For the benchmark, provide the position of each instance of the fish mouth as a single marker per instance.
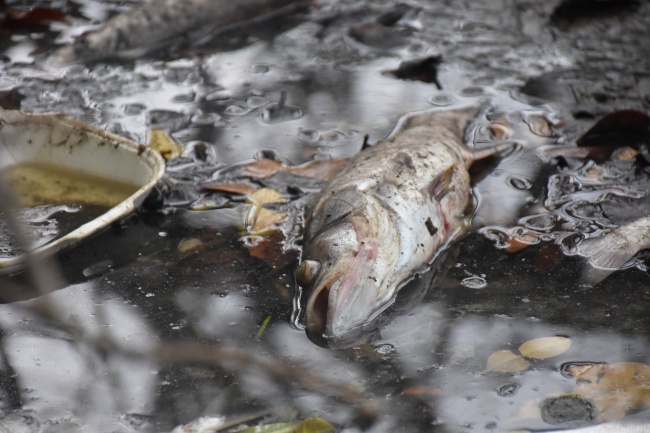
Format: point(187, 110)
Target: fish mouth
point(339, 312)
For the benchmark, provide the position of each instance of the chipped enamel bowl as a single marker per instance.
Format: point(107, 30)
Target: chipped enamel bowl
point(63, 144)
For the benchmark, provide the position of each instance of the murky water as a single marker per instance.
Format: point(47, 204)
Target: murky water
point(313, 87)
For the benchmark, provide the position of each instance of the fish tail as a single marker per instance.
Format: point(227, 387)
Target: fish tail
point(456, 120)
point(474, 154)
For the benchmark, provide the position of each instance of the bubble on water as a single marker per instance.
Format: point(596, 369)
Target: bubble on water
point(184, 97)
point(508, 390)
point(474, 282)
point(385, 349)
point(134, 109)
point(441, 100)
point(540, 223)
point(472, 91)
point(219, 95)
point(569, 243)
point(332, 138)
point(260, 68)
point(276, 112)
point(256, 101)
point(167, 119)
point(236, 110)
point(518, 182)
point(499, 236)
point(308, 135)
point(205, 119)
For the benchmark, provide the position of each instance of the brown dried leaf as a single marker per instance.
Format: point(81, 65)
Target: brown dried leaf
point(232, 188)
point(504, 361)
point(32, 19)
point(546, 347)
point(521, 241)
point(263, 168)
point(615, 389)
point(501, 130)
point(323, 169)
point(540, 127)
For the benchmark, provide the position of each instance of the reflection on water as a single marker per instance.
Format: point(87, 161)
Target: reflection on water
point(117, 349)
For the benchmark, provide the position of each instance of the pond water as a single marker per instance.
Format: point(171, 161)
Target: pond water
point(203, 313)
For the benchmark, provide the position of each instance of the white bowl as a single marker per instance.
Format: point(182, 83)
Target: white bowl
point(60, 141)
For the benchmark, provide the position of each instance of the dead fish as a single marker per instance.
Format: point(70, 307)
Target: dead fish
point(383, 219)
point(158, 23)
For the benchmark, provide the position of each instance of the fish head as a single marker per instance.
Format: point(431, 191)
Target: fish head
point(346, 274)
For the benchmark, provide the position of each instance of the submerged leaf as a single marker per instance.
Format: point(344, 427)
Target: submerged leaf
point(281, 427)
point(165, 144)
point(322, 169)
point(189, 244)
point(266, 222)
point(546, 347)
point(315, 425)
point(264, 196)
point(504, 361)
point(615, 389)
point(310, 425)
point(232, 188)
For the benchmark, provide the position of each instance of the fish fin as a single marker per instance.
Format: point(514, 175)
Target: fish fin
point(455, 119)
point(473, 154)
point(608, 252)
point(440, 185)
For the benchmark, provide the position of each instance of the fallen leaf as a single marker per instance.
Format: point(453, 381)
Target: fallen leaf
point(33, 19)
point(315, 425)
point(500, 129)
point(264, 196)
point(321, 169)
point(281, 427)
point(521, 241)
point(263, 168)
point(310, 425)
point(505, 361)
point(232, 188)
point(266, 222)
point(163, 143)
point(539, 126)
point(546, 347)
point(423, 391)
point(425, 70)
point(615, 389)
point(189, 244)
point(625, 154)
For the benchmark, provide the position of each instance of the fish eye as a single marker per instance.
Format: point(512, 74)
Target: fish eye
point(307, 271)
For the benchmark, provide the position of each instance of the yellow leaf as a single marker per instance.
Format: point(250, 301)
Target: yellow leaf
point(310, 425)
point(264, 196)
point(315, 425)
point(163, 143)
point(505, 361)
point(546, 347)
point(266, 222)
point(189, 244)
